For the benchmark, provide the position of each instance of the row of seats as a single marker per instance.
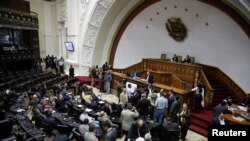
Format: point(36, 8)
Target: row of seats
point(31, 80)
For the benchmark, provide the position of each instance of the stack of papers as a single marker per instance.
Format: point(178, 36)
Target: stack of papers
point(242, 108)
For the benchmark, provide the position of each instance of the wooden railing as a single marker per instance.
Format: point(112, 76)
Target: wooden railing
point(162, 77)
point(186, 72)
point(174, 75)
point(209, 91)
point(238, 92)
point(176, 82)
point(137, 67)
point(235, 89)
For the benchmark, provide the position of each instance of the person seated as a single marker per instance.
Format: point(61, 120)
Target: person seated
point(135, 74)
point(50, 120)
point(86, 97)
point(104, 118)
point(219, 108)
point(83, 128)
point(34, 101)
point(175, 58)
point(187, 59)
point(220, 120)
point(137, 129)
point(246, 101)
point(60, 102)
point(169, 127)
point(40, 105)
point(107, 108)
point(84, 115)
point(247, 114)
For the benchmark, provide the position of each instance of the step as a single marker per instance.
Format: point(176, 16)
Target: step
point(199, 123)
point(217, 101)
point(199, 130)
point(205, 115)
point(222, 93)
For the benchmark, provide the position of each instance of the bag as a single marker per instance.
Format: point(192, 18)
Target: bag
point(202, 103)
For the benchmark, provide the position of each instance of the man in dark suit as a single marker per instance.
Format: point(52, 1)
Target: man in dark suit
point(219, 108)
point(71, 72)
point(170, 130)
point(175, 58)
point(246, 101)
point(171, 99)
point(184, 118)
point(220, 120)
point(111, 133)
point(150, 78)
point(50, 120)
point(137, 129)
point(143, 108)
point(175, 107)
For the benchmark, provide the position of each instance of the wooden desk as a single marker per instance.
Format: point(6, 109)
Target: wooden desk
point(189, 73)
point(232, 120)
point(185, 96)
point(186, 72)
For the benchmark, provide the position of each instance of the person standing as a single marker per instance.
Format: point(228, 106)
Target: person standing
point(171, 99)
point(108, 78)
point(127, 118)
point(123, 97)
point(150, 78)
point(71, 72)
point(61, 64)
point(184, 120)
point(175, 107)
point(111, 133)
point(120, 86)
point(199, 96)
point(160, 105)
point(143, 107)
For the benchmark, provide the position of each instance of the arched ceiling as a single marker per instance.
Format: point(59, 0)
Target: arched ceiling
point(238, 10)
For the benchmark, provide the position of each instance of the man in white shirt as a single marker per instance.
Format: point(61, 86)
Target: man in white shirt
point(130, 89)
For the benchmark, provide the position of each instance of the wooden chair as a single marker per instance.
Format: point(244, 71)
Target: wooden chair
point(163, 56)
point(179, 58)
point(192, 59)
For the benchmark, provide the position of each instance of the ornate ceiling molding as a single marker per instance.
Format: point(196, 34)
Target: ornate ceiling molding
point(96, 19)
point(83, 8)
point(241, 6)
point(62, 10)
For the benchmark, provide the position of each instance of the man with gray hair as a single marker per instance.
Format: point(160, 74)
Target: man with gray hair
point(160, 105)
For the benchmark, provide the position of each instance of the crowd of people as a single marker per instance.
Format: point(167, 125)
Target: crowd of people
point(102, 73)
point(51, 62)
